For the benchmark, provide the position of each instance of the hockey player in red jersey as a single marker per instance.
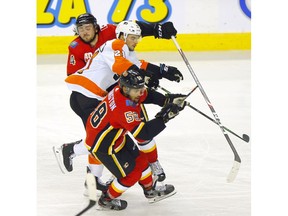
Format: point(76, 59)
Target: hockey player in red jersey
point(107, 137)
point(80, 51)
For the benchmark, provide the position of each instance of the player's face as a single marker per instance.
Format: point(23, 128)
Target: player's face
point(135, 94)
point(87, 32)
point(132, 41)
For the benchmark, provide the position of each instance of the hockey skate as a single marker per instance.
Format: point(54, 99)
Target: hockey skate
point(158, 172)
point(159, 193)
point(64, 156)
point(107, 203)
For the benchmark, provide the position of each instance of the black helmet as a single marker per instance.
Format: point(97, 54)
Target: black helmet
point(133, 80)
point(85, 19)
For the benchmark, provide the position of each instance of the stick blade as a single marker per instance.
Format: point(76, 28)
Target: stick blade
point(91, 184)
point(246, 138)
point(234, 171)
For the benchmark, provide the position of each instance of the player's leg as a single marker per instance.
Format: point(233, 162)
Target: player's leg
point(82, 106)
point(150, 149)
point(65, 153)
point(121, 165)
point(96, 168)
point(141, 173)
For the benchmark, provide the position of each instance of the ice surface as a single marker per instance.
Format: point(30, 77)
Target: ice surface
point(192, 150)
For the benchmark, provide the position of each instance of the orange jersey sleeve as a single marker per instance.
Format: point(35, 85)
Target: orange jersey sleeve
point(121, 63)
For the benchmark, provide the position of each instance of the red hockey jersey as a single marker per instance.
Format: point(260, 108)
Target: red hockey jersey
point(80, 52)
point(111, 120)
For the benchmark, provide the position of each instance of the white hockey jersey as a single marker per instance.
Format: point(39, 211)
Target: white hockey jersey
point(104, 69)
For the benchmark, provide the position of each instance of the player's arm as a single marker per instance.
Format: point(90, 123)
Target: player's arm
point(158, 30)
point(153, 73)
point(164, 71)
point(154, 97)
point(74, 62)
point(148, 130)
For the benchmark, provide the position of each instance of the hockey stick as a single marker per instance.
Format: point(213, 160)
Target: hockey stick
point(244, 137)
point(91, 184)
point(237, 161)
point(189, 92)
point(168, 92)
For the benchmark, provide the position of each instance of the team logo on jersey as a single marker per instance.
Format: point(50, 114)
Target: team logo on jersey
point(126, 165)
point(72, 60)
point(130, 103)
point(73, 44)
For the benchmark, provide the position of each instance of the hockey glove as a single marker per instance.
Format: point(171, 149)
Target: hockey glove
point(170, 73)
point(178, 99)
point(152, 82)
point(165, 30)
point(168, 112)
point(141, 71)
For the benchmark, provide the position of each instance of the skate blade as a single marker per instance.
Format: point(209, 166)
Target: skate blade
point(101, 208)
point(159, 198)
point(59, 159)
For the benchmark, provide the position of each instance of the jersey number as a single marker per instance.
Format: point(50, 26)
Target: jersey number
point(98, 115)
point(118, 53)
point(131, 117)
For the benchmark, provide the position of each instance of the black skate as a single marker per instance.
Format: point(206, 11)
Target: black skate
point(158, 172)
point(111, 204)
point(159, 193)
point(64, 156)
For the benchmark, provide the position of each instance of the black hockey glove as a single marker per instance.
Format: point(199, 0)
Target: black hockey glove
point(168, 112)
point(152, 82)
point(165, 30)
point(170, 73)
point(141, 71)
point(178, 99)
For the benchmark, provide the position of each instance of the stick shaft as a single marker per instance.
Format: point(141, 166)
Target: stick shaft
point(236, 156)
point(208, 117)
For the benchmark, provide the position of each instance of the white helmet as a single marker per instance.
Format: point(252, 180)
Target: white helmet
point(127, 27)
